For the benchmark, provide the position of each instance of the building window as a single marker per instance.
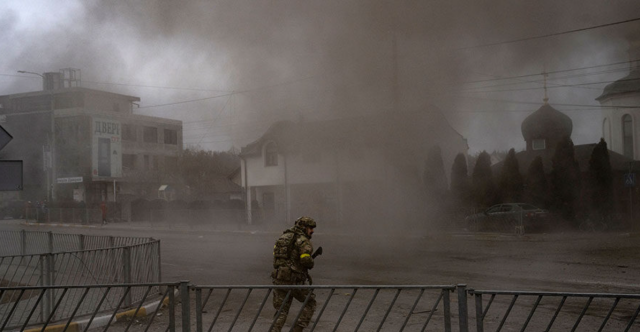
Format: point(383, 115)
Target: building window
point(147, 162)
point(539, 144)
point(128, 161)
point(150, 135)
point(271, 154)
point(627, 136)
point(171, 136)
point(129, 132)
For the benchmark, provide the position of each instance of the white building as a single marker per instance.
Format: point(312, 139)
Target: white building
point(345, 171)
point(621, 109)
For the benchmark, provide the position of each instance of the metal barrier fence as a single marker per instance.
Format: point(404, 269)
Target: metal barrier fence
point(78, 308)
point(365, 308)
point(75, 259)
point(542, 311)
point(28, 243)
point(352, 308)
point(79, 215)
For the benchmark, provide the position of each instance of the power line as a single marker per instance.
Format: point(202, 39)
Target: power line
point(155, 86)
point(234, 92)
point(555, 104)
point(557, 78)
point(188, 101)
point(550, 72)
point(550, 34)
point(577, 85)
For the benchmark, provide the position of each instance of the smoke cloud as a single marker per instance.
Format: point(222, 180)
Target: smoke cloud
point(272, 60)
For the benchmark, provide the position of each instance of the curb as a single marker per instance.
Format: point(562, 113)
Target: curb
point(81, 325)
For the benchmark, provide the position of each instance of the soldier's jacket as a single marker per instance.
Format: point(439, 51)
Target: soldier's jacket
point(292, 256)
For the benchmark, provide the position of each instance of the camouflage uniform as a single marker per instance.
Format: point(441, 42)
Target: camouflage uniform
point(291, 262)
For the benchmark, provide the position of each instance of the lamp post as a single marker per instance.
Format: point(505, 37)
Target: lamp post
point(52, 141)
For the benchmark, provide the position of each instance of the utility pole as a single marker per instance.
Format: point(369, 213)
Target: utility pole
point(52, 141)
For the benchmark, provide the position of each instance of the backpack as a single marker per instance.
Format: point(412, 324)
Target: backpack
point(283, 247)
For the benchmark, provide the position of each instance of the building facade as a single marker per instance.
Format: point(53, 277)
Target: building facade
point(620, 103)
point(80, 144)
point(345, 172)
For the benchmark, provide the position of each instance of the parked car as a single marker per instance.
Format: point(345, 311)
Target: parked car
point(505, 217)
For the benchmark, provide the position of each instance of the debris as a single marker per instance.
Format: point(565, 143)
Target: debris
point(422, 311)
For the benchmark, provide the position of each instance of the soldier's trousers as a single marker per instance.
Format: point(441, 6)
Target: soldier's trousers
point(279, 296)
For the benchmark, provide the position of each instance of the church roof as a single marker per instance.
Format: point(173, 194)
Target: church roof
point(629, 83)
point(546, 122)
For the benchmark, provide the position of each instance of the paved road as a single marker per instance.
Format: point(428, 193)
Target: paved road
point(599, 263)
point(606, 262)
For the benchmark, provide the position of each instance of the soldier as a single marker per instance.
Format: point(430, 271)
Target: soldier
point(292, 259)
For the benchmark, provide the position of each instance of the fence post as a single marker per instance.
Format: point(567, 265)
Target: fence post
point(184, 298)
point(50, 236)
point(446, 299)
point(81, 240)
point(462, 307)
point(126, 271)
point(159, 260)
point(172, 308)
point(479, 317)
point(46, 275)
point(198, 309)
point(23, 242)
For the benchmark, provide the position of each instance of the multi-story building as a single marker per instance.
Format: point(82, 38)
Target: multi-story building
point(87, 145)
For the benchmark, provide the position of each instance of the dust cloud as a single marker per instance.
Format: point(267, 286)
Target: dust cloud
point(231, 68)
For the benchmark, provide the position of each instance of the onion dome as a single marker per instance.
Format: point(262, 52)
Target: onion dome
point(546, 123)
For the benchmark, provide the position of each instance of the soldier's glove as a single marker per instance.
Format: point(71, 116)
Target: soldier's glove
point(317, 253)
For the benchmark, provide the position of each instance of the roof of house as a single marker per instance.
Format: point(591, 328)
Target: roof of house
point(66, 90)
point(627, 84)
point(399, 130)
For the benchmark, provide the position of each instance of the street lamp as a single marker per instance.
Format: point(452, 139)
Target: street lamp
point(52, 140)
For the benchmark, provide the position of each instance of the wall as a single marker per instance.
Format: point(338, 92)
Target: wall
point(614, 115)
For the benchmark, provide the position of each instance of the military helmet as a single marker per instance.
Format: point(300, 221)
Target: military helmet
point(306, 222)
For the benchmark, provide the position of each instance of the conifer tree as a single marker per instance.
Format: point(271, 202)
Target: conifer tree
point(483, 189)
point(434, 177)
point(565, 179)
point(536, 184)
point(511, 182)
point(600, 175)
point(460, 180)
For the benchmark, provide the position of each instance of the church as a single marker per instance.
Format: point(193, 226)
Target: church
point(620, 103)
point(544, 128)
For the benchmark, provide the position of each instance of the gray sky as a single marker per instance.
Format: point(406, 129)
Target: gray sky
point(229, 68)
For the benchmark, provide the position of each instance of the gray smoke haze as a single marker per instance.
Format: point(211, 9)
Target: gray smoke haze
point(319, 59)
